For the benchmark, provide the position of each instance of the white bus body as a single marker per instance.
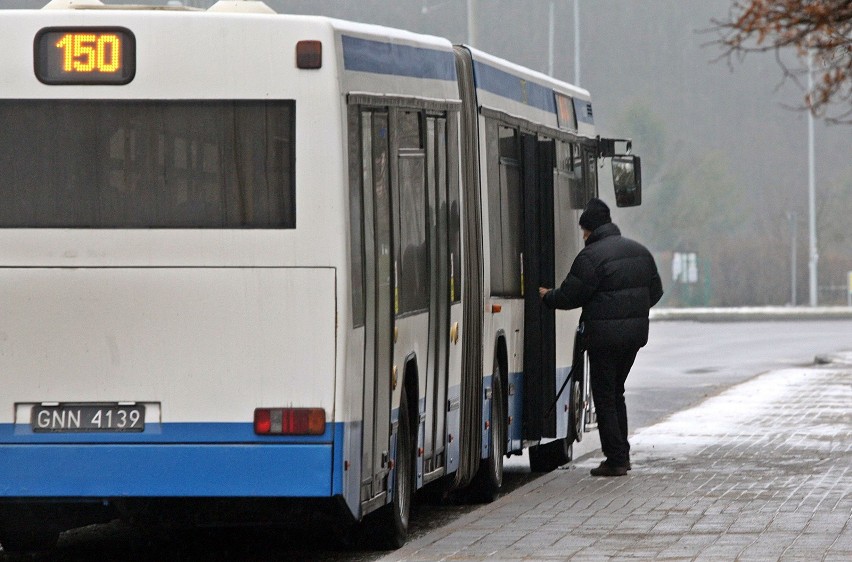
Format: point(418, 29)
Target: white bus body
point(232, 237)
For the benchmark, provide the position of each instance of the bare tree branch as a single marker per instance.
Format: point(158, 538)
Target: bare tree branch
point(822, 28)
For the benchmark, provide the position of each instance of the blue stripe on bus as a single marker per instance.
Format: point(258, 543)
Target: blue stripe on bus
point(378, 57)
point(172, 469)
point(513, 87)
point(207, 432)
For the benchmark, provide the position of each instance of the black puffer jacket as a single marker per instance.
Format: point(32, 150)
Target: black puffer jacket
point(616, 282)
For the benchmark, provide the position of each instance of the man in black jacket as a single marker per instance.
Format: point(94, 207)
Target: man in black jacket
point(616, 282)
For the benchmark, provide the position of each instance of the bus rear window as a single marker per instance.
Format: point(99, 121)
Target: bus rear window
point(147, 164)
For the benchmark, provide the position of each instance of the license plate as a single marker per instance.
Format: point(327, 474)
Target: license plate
point(87, 418)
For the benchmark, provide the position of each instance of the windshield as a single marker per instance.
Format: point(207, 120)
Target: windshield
point(147, 164)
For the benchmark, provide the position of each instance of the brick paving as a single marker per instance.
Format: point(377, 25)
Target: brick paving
point(760, 472)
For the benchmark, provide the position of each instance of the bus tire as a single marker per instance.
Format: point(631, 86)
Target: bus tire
point(488, 481)
point(391, 521)
point(575, 411)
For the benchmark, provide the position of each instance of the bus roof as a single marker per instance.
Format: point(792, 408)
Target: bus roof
point(528, 73)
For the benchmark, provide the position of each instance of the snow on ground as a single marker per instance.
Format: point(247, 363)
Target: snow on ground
point(761, 408)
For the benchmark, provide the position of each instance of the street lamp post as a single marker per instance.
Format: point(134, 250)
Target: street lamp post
point(793, 217)
point(814, 256)
point(471, 26)
point(576, 42)
point(551, 38)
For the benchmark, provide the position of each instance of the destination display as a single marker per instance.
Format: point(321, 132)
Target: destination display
point(85, 56)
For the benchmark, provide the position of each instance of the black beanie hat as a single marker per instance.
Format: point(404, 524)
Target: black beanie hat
point(595, 215)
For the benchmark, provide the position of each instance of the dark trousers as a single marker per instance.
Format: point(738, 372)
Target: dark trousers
point(609, 370)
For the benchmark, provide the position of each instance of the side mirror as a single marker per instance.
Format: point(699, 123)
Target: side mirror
point(627, 180)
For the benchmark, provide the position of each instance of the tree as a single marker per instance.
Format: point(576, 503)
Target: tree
point(823, 27)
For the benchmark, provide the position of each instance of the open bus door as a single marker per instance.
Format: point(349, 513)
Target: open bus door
point(539, 270)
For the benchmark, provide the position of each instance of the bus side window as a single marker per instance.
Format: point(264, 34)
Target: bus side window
point(413, 276)
point(505, 206)
point(564, 176)
point(453, 200)
point(591, 170)
point(567, 198)
point(579, 195)
point(360, 125)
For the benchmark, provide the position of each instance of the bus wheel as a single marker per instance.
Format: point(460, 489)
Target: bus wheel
point(488, 481)
point(391, 521)
point(575, 412)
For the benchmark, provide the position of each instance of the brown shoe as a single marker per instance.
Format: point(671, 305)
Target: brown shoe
point(606, 470)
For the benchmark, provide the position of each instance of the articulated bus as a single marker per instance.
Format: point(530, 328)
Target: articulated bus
point(267, 267)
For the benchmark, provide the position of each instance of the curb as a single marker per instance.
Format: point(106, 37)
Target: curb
point(750, 314)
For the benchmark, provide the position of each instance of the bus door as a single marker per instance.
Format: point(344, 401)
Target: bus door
point(437, 368)
point(539, 320)
point(379, 315)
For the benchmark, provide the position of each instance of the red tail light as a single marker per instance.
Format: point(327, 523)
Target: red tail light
point(262, 424)
point(289, 421)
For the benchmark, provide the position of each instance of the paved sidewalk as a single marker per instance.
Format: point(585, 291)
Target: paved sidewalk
point(761, 472)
